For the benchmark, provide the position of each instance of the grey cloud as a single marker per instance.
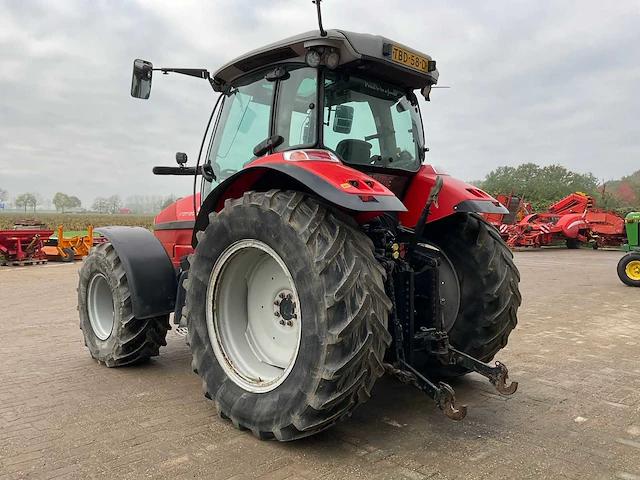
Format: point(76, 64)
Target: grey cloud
point(549, 82)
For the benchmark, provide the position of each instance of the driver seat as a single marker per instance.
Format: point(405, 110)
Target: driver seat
point(354, 151)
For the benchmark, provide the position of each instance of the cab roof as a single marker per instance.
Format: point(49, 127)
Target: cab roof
point(369, 54)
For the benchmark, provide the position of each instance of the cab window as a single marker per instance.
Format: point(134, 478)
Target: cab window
point(243, 124)
point(297, 107)
point(371, 123)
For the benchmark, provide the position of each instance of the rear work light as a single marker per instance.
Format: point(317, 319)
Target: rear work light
point(303, 155)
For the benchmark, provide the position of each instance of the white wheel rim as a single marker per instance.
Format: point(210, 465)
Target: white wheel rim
point(100, 306)
point(253, 316)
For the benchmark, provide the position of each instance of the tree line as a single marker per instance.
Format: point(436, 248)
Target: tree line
point(543, 185)
point(65, 203)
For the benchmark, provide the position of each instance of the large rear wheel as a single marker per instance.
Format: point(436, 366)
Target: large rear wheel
point(481, 310)
point(286, 314)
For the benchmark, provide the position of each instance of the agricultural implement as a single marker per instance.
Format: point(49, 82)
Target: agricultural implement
point(574, 219)
point(517, 207)
point(629, 265)
point(67, 249)
point(321, 251)
point(23, 246)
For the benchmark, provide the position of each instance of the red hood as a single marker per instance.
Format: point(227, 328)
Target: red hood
point(181, 209)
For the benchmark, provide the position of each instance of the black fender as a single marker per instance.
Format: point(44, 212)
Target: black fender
point(150, 274)
point(290, 176)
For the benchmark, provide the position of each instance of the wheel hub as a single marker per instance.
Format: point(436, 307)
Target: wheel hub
point(100, 306)
point(633, 270)
point(285, 307)
point(253, 316)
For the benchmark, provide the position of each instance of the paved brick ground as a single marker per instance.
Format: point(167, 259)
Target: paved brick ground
point(576, 354)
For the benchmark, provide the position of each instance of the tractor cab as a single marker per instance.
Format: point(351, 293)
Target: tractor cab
point(319, 96)
point(349, 93)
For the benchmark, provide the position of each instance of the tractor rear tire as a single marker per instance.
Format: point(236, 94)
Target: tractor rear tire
point(629, 269)
point(489, 290)
point(324, 268)
point(112, 334)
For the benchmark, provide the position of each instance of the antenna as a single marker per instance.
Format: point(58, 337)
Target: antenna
point(323, 33)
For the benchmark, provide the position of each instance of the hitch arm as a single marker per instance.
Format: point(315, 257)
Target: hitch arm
point(497, 375)
point(442, 394)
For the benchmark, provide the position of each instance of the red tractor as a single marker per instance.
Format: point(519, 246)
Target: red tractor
point(321, 250)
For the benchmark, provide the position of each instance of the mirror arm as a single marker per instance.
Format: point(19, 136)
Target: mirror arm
point(162, 170)
point(192, 72)
point(198, 73)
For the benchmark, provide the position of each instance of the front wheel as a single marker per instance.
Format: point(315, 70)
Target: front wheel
point(286, 314)
point(481, 310)
point(629, 269)
point(112, 334)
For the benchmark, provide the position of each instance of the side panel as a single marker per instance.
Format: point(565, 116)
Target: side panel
point(150, 273)
point(173, 226)
point(455, 196)
point(342, 186)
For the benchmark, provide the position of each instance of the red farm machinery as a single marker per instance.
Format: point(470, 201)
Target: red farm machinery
point(573, 219)
point(23, 244)
point(321, 250)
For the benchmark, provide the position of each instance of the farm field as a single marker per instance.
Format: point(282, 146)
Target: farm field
point(76, 223)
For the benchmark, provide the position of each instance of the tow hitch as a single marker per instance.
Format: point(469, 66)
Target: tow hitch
point(433, 339)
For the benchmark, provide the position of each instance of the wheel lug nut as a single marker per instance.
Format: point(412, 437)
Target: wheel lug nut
point(277, 314)
point(282, 295)
point(281, 322)
point(290, 323)
point(276, 303)
point(295, 315)
point(289, 296)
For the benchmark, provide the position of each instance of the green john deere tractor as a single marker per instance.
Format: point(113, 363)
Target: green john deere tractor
point(629, 265)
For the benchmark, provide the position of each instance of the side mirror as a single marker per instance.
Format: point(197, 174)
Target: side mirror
point(141, 79)
point(343, 119)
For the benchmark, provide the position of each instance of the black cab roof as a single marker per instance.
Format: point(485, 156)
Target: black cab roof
point(372, 55)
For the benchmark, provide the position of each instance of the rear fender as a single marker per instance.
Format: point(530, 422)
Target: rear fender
point(332, 182)
point(150, 274)
point(455, 196)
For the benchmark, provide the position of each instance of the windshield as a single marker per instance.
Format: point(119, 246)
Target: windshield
point(370, 123)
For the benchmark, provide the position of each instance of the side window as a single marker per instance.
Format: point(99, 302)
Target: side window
point(244, 123)
point(404, 127)
point(296, 113)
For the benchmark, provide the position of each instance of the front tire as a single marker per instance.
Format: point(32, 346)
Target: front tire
point(112, 334)
point(338, 311)
point(488, 288)
point(629, 269)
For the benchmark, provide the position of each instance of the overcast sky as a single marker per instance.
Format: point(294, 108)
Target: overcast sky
point(540, 81)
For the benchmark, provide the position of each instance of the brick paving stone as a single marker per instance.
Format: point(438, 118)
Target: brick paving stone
point(576, 354)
